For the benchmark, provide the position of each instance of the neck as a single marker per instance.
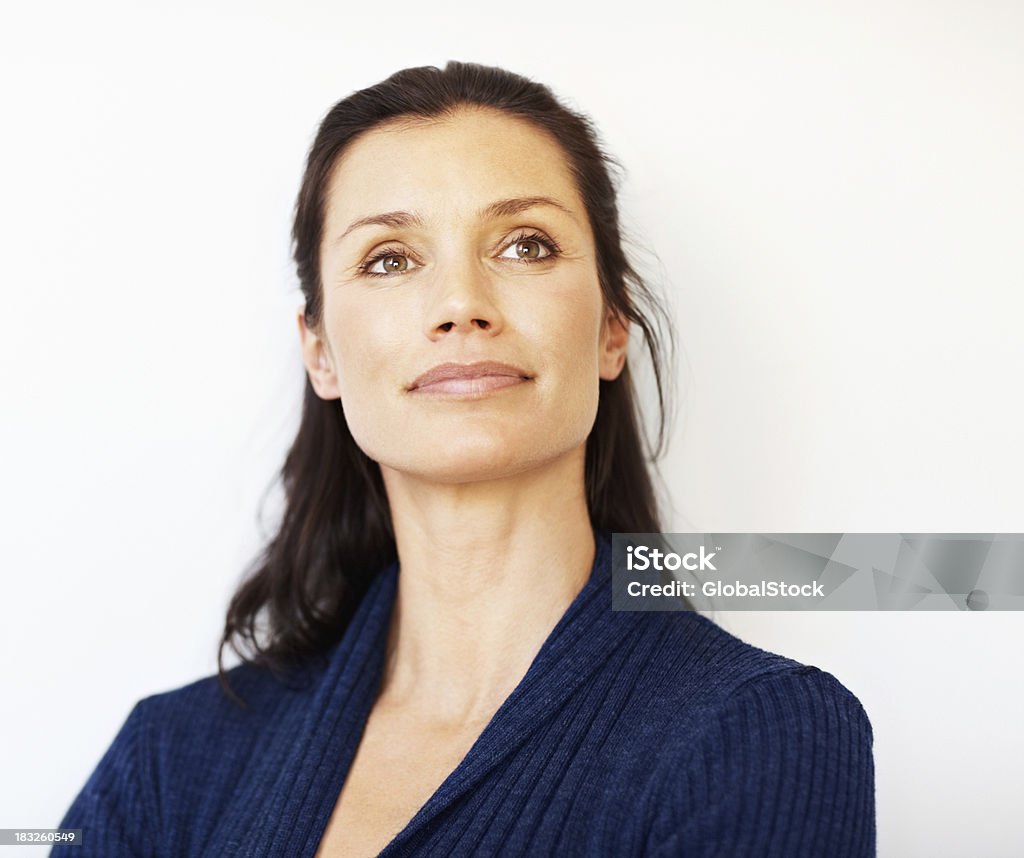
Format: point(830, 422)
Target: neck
point(486, 571)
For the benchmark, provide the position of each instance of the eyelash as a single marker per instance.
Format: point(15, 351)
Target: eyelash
point(549, 244)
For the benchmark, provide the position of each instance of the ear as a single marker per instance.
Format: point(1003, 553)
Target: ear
point(614, 341)
point(318, 360)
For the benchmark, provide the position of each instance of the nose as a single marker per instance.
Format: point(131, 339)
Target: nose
point(464, 302)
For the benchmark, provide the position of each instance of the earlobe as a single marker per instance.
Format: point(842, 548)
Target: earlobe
point(318, 365)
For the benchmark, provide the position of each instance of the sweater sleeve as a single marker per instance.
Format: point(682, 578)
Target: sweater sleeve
point(112, 809)
point(786, 768)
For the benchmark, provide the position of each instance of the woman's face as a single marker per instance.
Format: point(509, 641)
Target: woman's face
point(461, 241)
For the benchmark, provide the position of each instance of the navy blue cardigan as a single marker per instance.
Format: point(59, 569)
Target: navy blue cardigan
point(653, 734)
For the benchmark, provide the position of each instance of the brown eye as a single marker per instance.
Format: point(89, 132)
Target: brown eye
point(528, 249)
point(386, 264)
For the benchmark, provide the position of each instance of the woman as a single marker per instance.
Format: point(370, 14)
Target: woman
point(432, 665)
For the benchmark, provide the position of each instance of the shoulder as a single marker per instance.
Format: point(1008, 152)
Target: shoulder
point(184, 728)
point(260, 691)
point(196, 738)
point(760, 753)
point(182, 754)
point(689, 678)
point(687, 654)
point(176, 756)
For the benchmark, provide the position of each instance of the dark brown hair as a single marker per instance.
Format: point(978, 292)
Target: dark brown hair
point(336, 531)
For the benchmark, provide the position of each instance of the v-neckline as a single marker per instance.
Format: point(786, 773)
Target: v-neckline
point(315, 762)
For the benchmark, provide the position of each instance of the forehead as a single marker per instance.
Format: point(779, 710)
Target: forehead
point(450, 165)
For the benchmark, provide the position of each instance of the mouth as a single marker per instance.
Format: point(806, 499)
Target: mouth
point(469, 380)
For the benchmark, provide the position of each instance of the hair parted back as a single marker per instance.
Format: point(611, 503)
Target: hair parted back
point(336, 533)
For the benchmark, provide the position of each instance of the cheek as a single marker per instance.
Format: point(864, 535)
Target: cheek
point(569, 344)
point(572, 339)
point(365, 344)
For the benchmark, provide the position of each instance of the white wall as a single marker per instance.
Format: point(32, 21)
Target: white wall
point(834, 196)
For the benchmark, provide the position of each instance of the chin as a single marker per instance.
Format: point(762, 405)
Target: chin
point(462, 463)
point(451, 469)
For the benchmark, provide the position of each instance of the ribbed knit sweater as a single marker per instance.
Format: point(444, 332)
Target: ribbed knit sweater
point(631, 734)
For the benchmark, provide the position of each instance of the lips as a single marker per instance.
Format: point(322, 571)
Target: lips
point(462, 377)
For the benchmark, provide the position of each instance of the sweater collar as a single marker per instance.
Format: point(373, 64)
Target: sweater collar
point(315, 750)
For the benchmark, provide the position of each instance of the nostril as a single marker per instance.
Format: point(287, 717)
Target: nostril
point(480, 323)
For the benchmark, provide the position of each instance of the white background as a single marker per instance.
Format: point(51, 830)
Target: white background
point(829, 193)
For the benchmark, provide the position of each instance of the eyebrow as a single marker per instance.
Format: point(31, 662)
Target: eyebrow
point(500, 208)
